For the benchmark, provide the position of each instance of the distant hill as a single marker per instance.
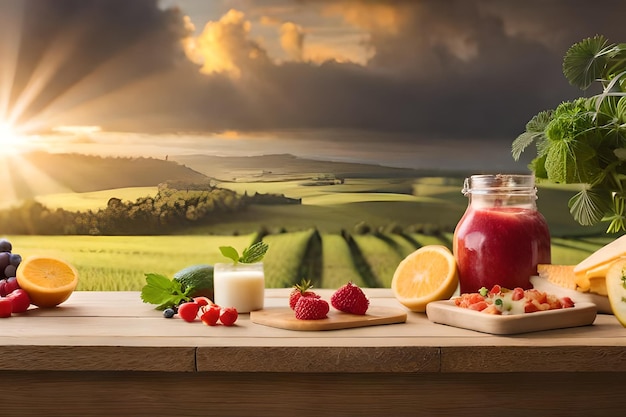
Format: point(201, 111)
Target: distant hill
point(279, 166)
point(40, 173)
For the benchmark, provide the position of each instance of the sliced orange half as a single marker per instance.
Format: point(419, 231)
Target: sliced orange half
point(48, 281)
point(428, 274)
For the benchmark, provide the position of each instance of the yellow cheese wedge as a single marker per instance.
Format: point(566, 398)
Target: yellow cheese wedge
point(582, 282)
point(596, 277)
point(597, 285)
point(600, 270)
point(606, 253)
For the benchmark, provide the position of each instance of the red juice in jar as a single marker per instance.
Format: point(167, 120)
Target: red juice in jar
point(501, 237)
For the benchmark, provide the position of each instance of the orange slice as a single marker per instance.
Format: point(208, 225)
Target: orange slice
point(48, 281)
point(428, 274)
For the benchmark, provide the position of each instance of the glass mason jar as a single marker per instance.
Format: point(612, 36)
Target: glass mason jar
point(502, 236)
point(241, 286)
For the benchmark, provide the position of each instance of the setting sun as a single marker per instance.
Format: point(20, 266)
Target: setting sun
point(8, 137)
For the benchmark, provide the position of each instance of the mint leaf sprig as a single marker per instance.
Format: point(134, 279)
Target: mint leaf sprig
point(252, 254)
point(163, 292)
point(583, 141)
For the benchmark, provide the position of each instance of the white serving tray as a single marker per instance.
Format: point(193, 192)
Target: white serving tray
point(601, 301)
point(446, 312)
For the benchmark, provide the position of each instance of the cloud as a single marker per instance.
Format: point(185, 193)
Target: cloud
point(292, 40)
point(423, 69)
point(63, 42)
point(225, 46)
point(375, 16)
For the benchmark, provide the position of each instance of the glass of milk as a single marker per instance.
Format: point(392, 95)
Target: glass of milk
point(239, 285)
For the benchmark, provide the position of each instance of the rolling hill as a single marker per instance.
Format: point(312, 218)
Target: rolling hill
point(40, 173)
point(283, 167)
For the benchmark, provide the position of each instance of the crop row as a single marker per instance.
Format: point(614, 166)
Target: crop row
point(370, 259)
point(119, 263)
point(331, 260)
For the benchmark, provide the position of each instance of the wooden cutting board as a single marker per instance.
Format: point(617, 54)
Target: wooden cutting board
point(284, 318)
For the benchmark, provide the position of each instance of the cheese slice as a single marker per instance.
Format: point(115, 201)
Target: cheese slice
point(597, 285)
point(596, 277)
point(606, 253)
point(582, 282)
point(593, 280)
point(600, 270)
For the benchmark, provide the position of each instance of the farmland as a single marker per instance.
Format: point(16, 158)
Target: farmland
point(346, 227)
point(119, 263)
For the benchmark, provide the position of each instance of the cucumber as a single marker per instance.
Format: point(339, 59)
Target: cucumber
point(197, 277)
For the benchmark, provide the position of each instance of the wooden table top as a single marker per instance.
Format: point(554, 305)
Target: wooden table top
point(115, 331)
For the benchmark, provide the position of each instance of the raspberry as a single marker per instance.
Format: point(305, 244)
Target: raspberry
point(311, 308)
point(350, 299)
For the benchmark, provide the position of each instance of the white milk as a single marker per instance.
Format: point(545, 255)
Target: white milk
point(241, 286)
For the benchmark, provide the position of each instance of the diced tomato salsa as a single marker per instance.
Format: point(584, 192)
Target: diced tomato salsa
point(504, 301)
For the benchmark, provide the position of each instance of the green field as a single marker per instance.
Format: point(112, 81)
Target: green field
point(382, 204)
point(120, 263)
point(378, 202)
point(93, 200)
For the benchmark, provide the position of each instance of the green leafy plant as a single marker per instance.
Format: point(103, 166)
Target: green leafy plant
point(164, 292)
point(250, 255)
point(583, 141)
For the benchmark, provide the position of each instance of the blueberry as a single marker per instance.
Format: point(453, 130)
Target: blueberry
point(168, 313)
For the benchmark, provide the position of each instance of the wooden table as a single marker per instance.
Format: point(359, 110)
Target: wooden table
point(108, 354)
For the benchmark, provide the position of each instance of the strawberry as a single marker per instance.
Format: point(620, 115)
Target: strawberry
point(211, 315)
point(301, 290)
point(311, 308)
point(188, 311)
point(350, 299)
point(228, 316)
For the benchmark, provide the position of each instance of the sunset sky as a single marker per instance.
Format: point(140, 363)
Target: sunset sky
point(421, 83)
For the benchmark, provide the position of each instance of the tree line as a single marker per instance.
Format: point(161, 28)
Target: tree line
point(175, 206)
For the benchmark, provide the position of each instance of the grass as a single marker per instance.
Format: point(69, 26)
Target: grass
point(338, 265)
point(94, 200)
point(381, 257)
point(119, 263)
point(282, 262)
point(375, 201)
